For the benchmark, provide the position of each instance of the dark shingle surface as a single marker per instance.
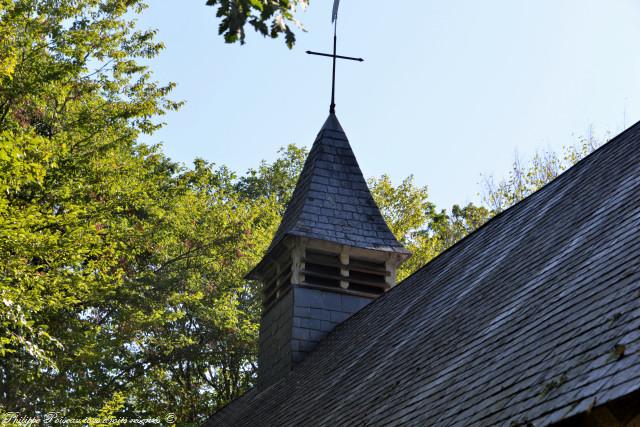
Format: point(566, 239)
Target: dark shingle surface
point(332, 201)
point(519, 322)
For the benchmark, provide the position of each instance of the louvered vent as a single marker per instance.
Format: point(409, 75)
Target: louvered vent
point(278, 285)
point(357, 276)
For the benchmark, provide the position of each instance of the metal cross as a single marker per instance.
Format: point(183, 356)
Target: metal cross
point(332, 109)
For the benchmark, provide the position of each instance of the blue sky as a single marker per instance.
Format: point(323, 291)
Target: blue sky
point(449, 90)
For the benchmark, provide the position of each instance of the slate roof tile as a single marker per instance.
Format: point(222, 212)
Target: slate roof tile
point(518, 321)
point(331, 187)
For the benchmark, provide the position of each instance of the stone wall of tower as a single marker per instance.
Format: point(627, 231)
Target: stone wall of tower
point(316, 313)
point(294, 325)
point(274, 356)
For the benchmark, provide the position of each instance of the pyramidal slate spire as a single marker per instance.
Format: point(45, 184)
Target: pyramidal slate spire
point(332, 254)
point(332, 202)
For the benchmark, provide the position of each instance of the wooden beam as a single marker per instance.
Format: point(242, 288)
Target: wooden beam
point(353, 264)
point(381, 285)
point(297, 262)
point(340, 290)
point(344, 268)
point(335, 248)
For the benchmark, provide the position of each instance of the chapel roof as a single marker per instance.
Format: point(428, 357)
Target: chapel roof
point(534, 317)
point(332, 201)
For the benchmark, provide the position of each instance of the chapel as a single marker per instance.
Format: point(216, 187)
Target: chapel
point(531, 320)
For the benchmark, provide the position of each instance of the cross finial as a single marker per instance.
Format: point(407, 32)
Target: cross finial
point(334, 20)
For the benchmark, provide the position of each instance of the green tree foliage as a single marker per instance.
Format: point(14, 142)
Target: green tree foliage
point(120, 272)
point(64, 130)
point(417, 224)
point(526, 178)
point(275, 180)
point(267, 17)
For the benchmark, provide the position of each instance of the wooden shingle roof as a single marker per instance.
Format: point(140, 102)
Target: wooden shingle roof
point(533, 318)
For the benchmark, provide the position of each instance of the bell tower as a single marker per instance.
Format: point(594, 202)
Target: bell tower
point(332, 254)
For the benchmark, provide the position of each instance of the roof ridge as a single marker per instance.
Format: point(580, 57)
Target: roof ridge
point(580, 163)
